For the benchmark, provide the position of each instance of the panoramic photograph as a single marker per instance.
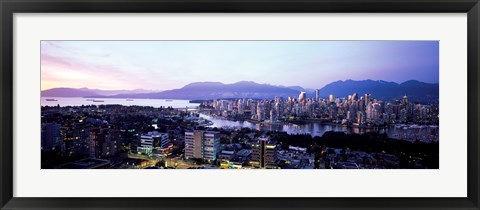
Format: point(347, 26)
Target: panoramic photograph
point(239, 105)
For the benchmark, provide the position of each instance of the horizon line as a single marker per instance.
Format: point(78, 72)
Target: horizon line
point(153, 90)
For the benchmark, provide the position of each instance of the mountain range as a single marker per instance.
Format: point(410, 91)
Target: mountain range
point(415, 90)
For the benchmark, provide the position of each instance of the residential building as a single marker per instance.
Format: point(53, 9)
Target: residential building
point(51, 138)
point(264, 153)
point(153, 140)
point(202, 144)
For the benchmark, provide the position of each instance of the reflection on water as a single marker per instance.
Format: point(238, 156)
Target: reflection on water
point(422, 133)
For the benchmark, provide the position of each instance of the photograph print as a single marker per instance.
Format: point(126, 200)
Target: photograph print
point(239, 104)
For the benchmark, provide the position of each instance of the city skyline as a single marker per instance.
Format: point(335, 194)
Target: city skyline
point(305, 133)
point(163, 65)
point(238, 105)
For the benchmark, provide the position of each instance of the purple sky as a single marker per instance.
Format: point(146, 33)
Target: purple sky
point(162, 65)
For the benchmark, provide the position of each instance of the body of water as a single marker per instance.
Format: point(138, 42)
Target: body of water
point(404, 132)
point(410, 133)
point(76, 101)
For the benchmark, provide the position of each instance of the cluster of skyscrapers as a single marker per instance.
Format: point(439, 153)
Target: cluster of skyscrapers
point(115, 136)
point(352, 110)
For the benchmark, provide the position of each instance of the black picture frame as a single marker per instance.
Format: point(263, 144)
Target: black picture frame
point(10, 7)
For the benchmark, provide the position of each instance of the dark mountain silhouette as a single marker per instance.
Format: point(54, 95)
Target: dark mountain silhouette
point(117, 92)
point(297, 88)
point(215, 90)
point(415, 90)
point(68, 92)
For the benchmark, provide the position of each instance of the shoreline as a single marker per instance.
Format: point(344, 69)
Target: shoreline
point(322, 122)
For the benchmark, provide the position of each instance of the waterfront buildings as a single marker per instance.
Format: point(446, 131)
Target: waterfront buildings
point(331, 98)
point(367, 98)
point(142, 137)
point(302, 96)
point(364, 111)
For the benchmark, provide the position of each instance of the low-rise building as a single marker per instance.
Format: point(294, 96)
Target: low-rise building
point(226, 155)
point(153, 141)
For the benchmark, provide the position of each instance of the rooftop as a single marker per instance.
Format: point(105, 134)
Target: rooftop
point(88, 163)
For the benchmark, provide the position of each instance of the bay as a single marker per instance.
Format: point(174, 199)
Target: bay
point(77, 101)
point(403, 132)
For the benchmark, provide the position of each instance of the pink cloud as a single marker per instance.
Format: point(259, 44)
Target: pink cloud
point(71, 72)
